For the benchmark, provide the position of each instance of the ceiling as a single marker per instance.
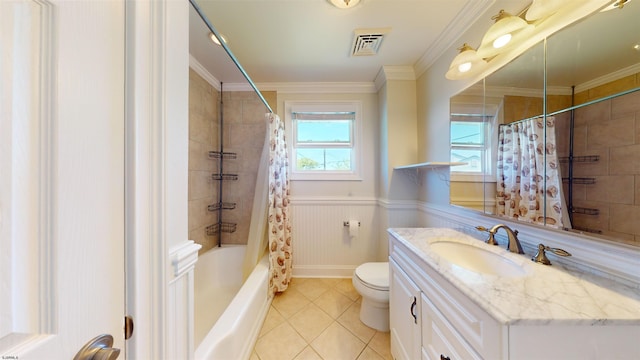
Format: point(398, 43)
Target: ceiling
point(303, 41)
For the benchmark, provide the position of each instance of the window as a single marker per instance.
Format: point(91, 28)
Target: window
point(471, 139)
point(468, 139)
point(324, 142)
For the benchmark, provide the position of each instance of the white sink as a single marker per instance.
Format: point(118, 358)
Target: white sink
point(477, 259)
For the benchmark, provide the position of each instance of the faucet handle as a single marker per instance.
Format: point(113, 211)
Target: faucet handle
point(491, 240)
point(541, 256)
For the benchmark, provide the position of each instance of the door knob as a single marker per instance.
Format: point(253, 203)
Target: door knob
point(98, 348)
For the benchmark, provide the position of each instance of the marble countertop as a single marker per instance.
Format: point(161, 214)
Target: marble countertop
point(546, 294)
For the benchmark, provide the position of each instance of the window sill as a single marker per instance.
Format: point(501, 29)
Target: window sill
point(324, 177)
point(428, 165)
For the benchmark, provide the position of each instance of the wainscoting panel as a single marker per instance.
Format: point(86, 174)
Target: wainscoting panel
point(394, 214)
point(180, 301)
point(322, 246)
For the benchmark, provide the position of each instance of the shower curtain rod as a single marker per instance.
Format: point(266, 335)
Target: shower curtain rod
point(233, 58)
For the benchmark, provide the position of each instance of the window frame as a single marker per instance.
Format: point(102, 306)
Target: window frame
point(490, 115)
point(356, 144)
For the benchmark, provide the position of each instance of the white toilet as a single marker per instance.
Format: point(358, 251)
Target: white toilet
point(371, 280)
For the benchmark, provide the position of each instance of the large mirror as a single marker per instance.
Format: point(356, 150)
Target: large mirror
point(591, 131)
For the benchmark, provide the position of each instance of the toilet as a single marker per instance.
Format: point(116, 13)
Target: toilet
point(371, 280)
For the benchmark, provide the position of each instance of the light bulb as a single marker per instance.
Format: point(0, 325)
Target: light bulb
point(464, 67)
point(501, 41)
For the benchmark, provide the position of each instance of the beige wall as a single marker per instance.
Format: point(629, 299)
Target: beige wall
point(611, 130)
point(401, 137)
point(517, 108)
point(203, 137)
point(614, 87)
point(245, 129)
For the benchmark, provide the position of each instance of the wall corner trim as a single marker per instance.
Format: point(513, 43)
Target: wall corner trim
point(184, 257)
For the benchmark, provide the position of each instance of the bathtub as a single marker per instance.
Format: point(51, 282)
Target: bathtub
point(228, 313)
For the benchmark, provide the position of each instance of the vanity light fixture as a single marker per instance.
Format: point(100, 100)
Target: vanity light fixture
point(540, 9)
point(506, 28)
point(467, 62)
point(215, 39)
point(344, 4)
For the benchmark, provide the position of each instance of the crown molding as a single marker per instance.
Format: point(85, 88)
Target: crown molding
point(394, 72)
point(468, 15)
point(203, 72)
point(237, 87)
point(319, 87)
point(208, 77)
point(508, 90)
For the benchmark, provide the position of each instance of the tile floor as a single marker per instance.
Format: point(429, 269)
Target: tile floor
point(319, 319)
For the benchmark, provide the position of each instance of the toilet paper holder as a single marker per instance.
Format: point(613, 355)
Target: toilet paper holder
point(346, 223)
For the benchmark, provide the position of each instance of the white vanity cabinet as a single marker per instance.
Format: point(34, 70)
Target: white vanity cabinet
point(440, 311)
point(404, 313)
point(445, 322)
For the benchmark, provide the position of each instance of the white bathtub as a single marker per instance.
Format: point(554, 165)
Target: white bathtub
point(228, 314)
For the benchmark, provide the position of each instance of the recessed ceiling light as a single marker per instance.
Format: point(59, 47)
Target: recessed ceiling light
point(344, 4)
point(213, 38)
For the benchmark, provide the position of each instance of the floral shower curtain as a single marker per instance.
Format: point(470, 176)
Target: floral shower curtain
point(523, 192)
point(279, 224)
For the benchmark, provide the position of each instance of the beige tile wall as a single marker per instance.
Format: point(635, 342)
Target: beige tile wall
point(611, 130)
point(203, 137)
point(244, 133)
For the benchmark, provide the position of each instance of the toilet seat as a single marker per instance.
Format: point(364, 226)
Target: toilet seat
point(374, 275)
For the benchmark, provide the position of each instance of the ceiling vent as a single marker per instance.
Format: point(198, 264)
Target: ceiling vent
point(367, 41)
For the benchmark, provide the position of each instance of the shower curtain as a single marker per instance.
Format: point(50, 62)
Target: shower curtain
point(279, 224)
point(523, 192)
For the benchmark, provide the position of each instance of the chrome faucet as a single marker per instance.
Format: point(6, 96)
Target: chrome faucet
point(513, 245)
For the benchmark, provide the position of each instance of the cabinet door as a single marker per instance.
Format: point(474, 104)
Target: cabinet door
point(404, 312)
point(440, 340)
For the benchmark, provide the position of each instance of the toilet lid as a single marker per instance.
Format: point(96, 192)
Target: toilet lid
point(374, 274)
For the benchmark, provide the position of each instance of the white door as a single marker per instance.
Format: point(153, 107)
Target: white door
point(61, 176)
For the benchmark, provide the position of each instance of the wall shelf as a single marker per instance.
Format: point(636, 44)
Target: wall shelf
point(221, 205)
point(576, 180)
point(222, 155)
point(225, 227)
point(580, 159)
point(428, 165)
point(224, 177)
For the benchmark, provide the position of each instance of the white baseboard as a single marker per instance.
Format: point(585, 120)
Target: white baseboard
point(323, 271)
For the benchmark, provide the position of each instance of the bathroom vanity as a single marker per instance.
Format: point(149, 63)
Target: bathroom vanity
point(455, 297)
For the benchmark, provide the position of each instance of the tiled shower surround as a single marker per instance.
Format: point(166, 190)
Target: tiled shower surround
point(610, 130)
point(244, 133)
point(204, 136)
